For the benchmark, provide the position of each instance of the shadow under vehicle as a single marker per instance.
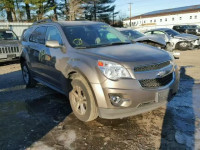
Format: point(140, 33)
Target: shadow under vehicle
point(9, 46)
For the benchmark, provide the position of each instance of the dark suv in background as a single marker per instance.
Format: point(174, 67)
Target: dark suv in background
point(101, 71)
point(189, 29)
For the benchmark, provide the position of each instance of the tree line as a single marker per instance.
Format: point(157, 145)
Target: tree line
point(33, 10)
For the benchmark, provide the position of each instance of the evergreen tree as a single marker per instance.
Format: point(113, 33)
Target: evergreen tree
point(9, 7)
point(100, 10)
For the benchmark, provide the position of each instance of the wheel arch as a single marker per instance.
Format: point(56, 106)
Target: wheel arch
point(78, 71)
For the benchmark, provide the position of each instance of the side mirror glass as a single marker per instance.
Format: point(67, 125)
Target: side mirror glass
point(53, 44)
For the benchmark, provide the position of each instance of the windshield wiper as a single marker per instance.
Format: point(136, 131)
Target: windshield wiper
point(103, 45)
point(80, 47)
point(120, 43)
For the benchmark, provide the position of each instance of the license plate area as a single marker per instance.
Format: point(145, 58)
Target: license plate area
point(162, 95)
point(10, 56)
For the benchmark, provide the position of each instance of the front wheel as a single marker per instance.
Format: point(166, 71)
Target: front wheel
point(27, 76)
point(82, 99)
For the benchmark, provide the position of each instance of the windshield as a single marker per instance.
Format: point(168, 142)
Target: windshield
point(172, 32)
point(7, 35)
point(98, 35)
point(132, 35)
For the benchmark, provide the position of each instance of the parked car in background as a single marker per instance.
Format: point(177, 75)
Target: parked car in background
point(176, 40)
point(137, 36)
point(152, 40)
point(9, 46)
point(189, 29)
point(101, 71)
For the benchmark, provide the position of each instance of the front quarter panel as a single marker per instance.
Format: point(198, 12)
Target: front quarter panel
point(83, 64)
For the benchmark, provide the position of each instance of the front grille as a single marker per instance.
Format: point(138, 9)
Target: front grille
point(7, 50)
point(158, 82)
point(151, 67)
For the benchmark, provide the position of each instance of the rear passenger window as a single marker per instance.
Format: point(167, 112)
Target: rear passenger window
point(38, 36)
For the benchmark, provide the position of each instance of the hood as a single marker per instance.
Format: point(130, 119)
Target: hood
point(188, 37)
point(9, 43)
point(131, 55)
point(152, 38)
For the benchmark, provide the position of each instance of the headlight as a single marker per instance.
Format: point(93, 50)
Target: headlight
point(113, 70)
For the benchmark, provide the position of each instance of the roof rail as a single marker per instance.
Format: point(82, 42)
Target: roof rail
point(42, 21)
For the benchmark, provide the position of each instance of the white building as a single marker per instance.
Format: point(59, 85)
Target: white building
point(166, 18)
point(17, 27)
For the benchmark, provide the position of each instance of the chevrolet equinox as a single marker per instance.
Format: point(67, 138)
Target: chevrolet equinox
point(101, 71)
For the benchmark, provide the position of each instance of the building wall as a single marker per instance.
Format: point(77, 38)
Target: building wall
point(16, 27)
point(164, 21)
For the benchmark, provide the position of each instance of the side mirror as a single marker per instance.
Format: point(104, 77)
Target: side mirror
point(53, 44)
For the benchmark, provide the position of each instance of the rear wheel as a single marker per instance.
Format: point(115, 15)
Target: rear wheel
point(27, 76)
point(82, 99)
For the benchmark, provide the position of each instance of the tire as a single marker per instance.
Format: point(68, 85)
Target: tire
point(27, 76)
point(82, 99)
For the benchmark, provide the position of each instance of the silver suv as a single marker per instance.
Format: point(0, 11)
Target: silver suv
point(101, 71)
point(9, 46)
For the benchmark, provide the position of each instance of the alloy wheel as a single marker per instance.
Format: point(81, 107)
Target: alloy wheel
point(79, 101)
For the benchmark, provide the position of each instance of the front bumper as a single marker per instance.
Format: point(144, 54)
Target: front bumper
point(9, 57)
point(140, 99)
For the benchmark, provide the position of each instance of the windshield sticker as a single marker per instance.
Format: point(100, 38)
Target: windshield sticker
point(78, 42)
point(98, 40)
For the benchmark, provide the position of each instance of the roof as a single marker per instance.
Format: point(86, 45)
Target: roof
point(122, 29)
point(178, 10)
point(5, 30)
point(74, 23)
point(67, 23)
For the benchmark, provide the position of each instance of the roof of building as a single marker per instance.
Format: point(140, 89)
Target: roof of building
point(164, 12)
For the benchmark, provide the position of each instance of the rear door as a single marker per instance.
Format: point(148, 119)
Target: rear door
point(37, 50)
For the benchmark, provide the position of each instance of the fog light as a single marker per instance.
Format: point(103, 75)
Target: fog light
point(115, 99)
point(118, 100)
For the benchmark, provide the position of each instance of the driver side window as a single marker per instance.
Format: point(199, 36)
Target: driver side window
point(53, 34)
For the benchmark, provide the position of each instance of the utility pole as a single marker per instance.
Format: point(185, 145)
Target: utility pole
point(130, 12)
point(113, 17)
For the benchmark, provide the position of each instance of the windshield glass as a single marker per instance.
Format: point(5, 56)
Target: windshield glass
point(132, 35)
point(88, 36)
point(7, 35)
point(172, 32)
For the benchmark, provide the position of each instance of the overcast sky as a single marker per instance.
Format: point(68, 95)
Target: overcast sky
point(143, 6)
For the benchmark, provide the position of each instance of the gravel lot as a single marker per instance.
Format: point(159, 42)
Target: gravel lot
point(40, 118)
